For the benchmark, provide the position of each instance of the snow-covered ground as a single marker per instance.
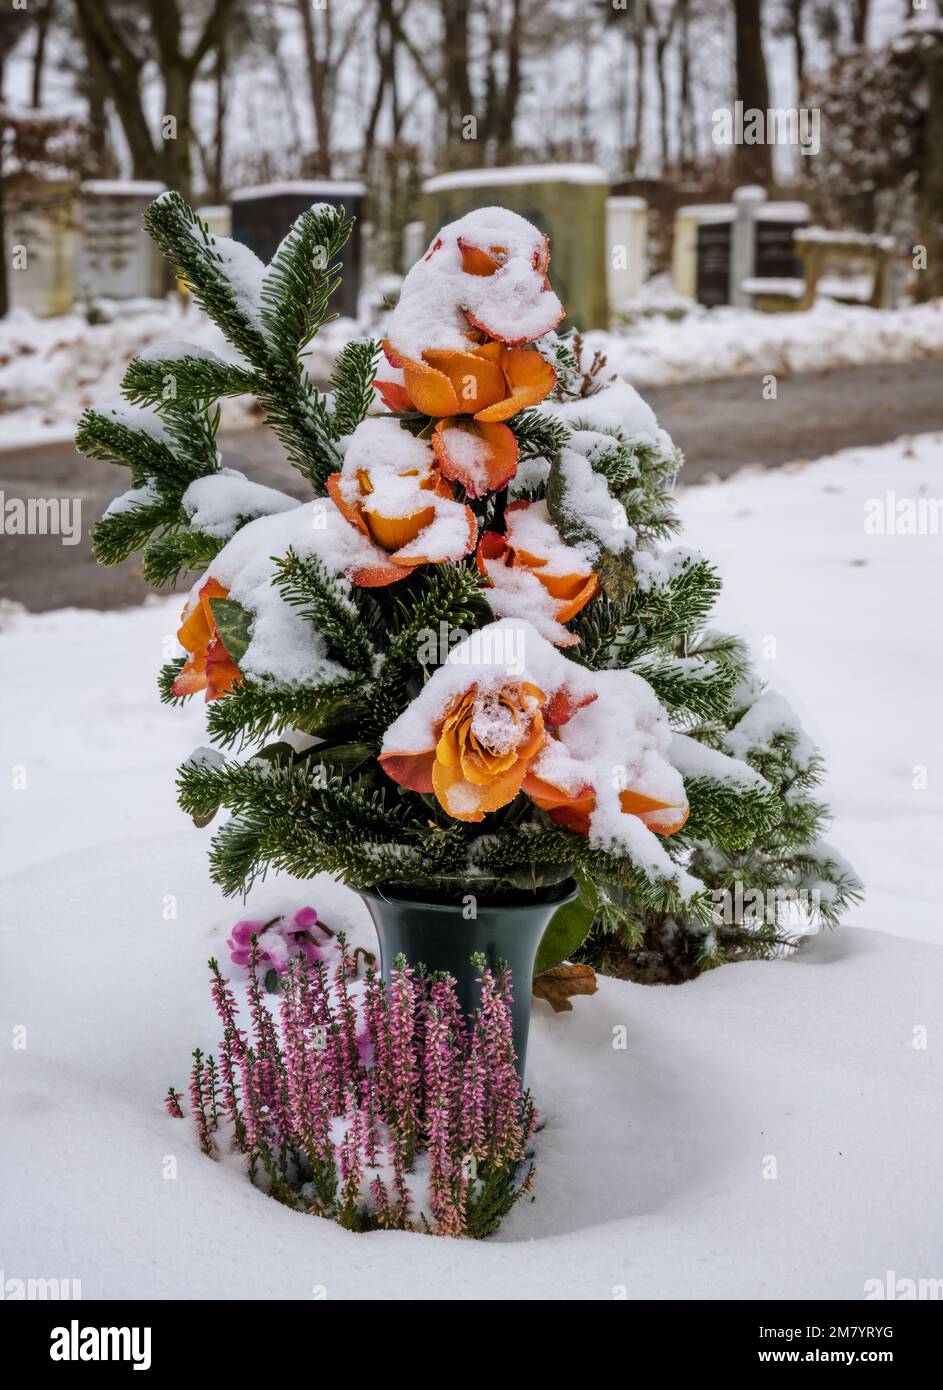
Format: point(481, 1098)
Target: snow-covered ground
point(51, 369)
point(769, 1130)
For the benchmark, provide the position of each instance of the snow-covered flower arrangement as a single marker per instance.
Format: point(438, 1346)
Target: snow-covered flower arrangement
point(474, 661)
point(380, 1107)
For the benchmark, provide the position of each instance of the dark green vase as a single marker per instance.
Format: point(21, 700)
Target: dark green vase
point(438, 936)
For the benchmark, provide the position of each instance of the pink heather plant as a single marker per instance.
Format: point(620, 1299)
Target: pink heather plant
point(377, 1106)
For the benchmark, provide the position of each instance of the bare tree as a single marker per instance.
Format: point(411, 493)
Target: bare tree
point(119, 42)
point(752, 163)
point(326, 49)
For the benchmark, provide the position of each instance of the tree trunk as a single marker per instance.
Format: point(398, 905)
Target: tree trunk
point(798, 43)
point(317, 82)
point(860, 10)
point(636, 151)
point(43, 19)
point(116, 73)
point(752, 163)
point(218, 181)
point(458, 99)
point(930, 178)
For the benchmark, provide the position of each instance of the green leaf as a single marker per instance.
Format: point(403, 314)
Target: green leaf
point(569, 925)
point(234, 625)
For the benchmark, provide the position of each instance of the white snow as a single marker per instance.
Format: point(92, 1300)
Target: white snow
point(616, 408)
point(659, 349)
point(131, 498)
point(217, 503)
point(517, 173)
point(51, 369)
point(652, 1180)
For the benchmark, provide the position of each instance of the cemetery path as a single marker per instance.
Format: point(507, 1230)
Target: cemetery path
point(722, 426)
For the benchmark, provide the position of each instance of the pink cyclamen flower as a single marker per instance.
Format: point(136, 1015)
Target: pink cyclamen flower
point(280, 940)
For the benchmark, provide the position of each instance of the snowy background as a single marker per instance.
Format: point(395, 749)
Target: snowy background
point(655, 1160)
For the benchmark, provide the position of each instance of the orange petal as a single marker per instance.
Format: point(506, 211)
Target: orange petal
point(393, 394)
point(476, 260)
point(490, 547)
point(192, 675)
point(588, 587)
point(195, 633)
point(429, 389)
point(349, 510)
point(378, 576)
point(477, 380)
point(481, 457)
point(413, 560)
point(562, 707)
point(661, 816)
point(548, 796)
point(411, 770)
point(391, 355)
point(465, 802)
point(571, 819)
point(393, 532)
point(530, 379)
point(222, 673)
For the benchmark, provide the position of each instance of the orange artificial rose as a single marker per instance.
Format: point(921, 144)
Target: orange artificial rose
point(489, 381)
point(529, 549)
point(483, 747)
point(393, 526)
point(208, 666)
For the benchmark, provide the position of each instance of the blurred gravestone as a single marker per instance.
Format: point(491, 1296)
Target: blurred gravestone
point(626, 246)
point(262, 216)
point(700, 260)
point(775, 250)
point(725, 253)
point(40, 246)
point(567, 201)
point(117, 259)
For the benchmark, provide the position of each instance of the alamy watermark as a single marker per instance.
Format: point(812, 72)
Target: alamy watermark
point(42, 516)
point(731, 906)
point(501, 647)
point(891, 515)
point(789, 125)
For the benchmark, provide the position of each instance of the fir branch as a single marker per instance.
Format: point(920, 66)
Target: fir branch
point(191, 249)
point(320, 597)
point(352, 385)
point(253, 709)
point(728, 814)
point(539, 435)
point(434, 602)
point(690, 686)
point(166, 676)
point(300, 279)
point(117, 535)
point(178, 549)
point(191, 380)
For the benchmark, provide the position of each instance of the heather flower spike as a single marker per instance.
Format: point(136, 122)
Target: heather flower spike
point(381, 1109)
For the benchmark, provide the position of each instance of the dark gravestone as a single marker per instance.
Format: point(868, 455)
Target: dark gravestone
point(713, 263)
point(262, 216)
point(775, 257)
